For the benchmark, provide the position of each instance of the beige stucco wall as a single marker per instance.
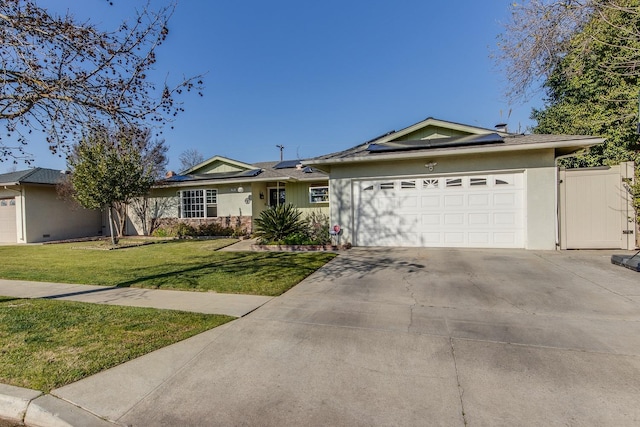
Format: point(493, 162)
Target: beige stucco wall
point(233, 203)
point(540, 181)
point(297, 193)
point(48, 218)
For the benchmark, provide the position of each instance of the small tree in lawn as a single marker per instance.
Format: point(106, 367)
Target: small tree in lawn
point(154, 158)
point(108, 171)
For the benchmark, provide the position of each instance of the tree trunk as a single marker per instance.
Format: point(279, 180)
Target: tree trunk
point(114, 241)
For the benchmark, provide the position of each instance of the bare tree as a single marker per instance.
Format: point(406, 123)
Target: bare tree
point(540, 33)
point(150, 210)
point(59, 76)
point(190, 158)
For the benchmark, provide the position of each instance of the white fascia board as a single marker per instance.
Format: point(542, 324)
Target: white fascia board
point(439, 123)
point(221, 159)
point(579, 143)
point(203, 182)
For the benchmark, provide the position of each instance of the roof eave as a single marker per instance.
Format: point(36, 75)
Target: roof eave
point(430, 121)
point(575, 144)
point(201, 182)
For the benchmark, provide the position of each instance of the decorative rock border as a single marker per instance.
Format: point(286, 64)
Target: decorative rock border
point(300, 248)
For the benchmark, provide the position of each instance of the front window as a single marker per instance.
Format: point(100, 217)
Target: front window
point(318, 194)
point(212, 203)
point(198, 203)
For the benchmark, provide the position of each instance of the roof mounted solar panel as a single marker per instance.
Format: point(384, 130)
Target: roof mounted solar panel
point(463, 141)
point(212, 176)
point(287, 164)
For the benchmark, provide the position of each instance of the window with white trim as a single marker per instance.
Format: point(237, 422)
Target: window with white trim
point(318, 194)
point(504, 180)
point(408, 185)
point(387, 185)
point(430, 183)
point(478, 182)
point(453, 182)
point(198, 203)
point(212, 203)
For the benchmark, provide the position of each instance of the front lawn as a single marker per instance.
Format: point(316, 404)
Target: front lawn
point(45, 344)
point(180, 264)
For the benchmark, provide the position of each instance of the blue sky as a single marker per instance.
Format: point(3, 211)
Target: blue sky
point(319, 76)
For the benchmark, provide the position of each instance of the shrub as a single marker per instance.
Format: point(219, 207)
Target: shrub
point(297, 239)
point(278, 222)
point(214, 229)
point(185, 230)
point(317, 225)
point(161, 232)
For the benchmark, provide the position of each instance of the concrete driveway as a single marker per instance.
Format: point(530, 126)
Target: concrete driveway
point(407, 337)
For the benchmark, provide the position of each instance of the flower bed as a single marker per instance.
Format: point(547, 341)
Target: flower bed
point(300, 248)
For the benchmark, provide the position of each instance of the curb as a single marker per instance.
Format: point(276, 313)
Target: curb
point(36, 409)
point(14, 401)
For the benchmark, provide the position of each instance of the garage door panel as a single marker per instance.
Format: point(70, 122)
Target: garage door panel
point(479, 199)
point(504, 238)
point(479, 218)
point(431, 202)
point(504, 218)
point(8, 229)
point(454, 219)
point(456, 237)
point(431, 219)
point(460, 211)
point(504, 199)
point(454, 201)
point(408, 202)
point(479, 238)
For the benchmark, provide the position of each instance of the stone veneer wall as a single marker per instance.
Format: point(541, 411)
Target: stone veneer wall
point(243, 222)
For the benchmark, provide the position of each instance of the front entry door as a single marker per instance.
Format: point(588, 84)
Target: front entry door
point(276, 196)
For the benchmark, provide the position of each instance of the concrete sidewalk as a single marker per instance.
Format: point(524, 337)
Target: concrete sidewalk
point(36, 409)
point(198, 302)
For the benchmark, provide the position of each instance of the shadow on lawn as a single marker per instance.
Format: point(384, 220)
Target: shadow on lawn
point(9, 299)
point(270, 265)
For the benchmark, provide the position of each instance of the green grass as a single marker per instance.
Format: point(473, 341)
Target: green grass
point(46, 344)
point(180, 264)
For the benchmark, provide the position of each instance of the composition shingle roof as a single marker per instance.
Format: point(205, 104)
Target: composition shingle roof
point(32, 176)
point(264, 171)
point(511, 141)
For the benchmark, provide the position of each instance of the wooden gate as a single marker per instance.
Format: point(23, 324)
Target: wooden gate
point(596, 209)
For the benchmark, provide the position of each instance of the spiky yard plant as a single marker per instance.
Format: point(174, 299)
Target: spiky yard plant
point(278, 222)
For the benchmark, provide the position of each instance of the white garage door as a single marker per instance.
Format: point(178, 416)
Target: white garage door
point(452, 211)
point(8, 220)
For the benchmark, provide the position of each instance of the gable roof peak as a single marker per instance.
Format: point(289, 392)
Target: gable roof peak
point(217, 158)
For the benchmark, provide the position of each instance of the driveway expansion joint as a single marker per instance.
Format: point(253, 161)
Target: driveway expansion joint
point(409, 288)
point(460, 389)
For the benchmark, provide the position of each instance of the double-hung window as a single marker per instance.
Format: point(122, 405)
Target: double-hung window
point(198, 203)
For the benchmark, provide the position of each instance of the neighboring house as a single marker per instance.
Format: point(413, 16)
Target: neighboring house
point(444, 184)
point(231, 193)
point(31, 211)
